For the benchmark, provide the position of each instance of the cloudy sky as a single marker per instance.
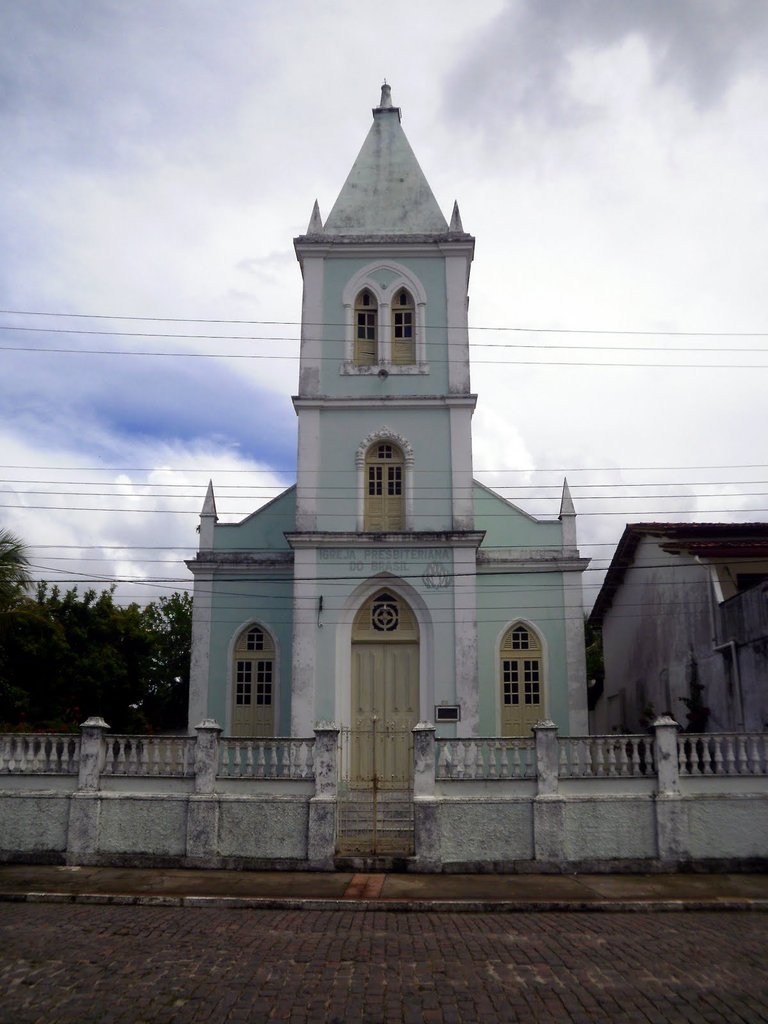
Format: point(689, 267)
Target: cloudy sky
point(158, 158)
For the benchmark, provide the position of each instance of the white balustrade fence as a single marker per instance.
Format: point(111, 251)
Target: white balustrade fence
point(150, 755)
point(493, 757)
point(281, 757)
point(606, 756)
point(722, 754)
point(39, 753)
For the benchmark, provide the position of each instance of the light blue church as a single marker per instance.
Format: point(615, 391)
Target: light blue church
point(387, 584)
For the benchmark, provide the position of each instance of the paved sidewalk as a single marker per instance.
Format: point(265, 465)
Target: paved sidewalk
point(381, 891)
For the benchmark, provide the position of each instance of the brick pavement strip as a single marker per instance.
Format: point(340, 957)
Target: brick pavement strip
point(62, 964)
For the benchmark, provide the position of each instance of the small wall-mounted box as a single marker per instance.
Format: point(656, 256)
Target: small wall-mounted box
point(447, 713)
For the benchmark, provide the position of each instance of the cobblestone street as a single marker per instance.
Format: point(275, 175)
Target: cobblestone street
point(141, 964)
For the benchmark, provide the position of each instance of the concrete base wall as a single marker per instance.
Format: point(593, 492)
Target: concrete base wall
point(633, 831)
point(150, 828)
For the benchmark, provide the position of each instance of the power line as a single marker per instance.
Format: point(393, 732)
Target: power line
point(475, 362)
point(295, 323)
point(442, 344)
point(197, 490)
point(420, 493)
point(483, 471)
point(541, 517)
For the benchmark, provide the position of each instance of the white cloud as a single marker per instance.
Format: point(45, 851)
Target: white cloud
point(159, 158)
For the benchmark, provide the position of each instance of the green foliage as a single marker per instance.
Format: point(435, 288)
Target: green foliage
point(593, 644)
point(65, 656)
point(14, 574)
point(168, 623)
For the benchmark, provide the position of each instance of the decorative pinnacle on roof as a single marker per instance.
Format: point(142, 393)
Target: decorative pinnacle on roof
point(386, 95)
point(209, 503)
point(315, 221)
point(566, 502)
point(456, 219)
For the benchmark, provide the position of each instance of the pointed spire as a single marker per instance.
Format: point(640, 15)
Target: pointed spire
point(315, 221)
point(386, 192)
point(566, 501)
point(209, 504)
point(456, 225)
point(208, 519)
point(568, 517)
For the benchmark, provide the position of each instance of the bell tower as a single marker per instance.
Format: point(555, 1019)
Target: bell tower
point(384, 403)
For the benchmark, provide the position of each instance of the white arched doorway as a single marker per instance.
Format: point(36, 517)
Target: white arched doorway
point(384, 691)
point(376, 757)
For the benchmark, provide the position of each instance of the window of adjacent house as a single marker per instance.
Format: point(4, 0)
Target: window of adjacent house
point(366, 328)
point(253, 693)
point(521, 677)
point(384, 488)
point(403, 329)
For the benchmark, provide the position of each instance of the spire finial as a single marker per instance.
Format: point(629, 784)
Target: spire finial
point(208, 519)
point(456, 224)
point(315, 221)
point(386, 95)
point(566, 501)
point(568, 517)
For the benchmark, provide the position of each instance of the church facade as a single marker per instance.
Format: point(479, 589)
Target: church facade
point(387, 584)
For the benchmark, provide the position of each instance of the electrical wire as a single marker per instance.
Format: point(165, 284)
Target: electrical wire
point(313, 323)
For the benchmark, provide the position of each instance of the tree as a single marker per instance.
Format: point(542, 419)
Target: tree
point(168, 623)
point(65, 656)
point(14, 574)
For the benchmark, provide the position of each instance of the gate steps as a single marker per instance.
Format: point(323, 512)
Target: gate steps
point(392, 862)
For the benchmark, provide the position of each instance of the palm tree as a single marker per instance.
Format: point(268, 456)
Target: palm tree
point(14, 575)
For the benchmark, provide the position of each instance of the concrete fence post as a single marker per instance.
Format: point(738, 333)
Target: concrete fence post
point(548, 804)
point(85, 804)
point(206, 755)
point(667, 771)
point(547, 758)
point(325, 759)
point(426, 827)
point(423, 761)
point(92, 753)
point(321, 825)
point(203, 808)
point(671, 818)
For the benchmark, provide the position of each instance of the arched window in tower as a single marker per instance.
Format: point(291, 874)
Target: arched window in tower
point(253, 683)
point(521, 680)
point(403, 329)
point(384, 488)
point(366, 329)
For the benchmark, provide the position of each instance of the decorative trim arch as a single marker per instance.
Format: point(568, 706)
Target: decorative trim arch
point(366, 278)
point(384, 434)
point(528, 624)
point(366, 589)
point(251, 623)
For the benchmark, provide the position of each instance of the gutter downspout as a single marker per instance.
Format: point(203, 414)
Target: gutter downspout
point(728, 645)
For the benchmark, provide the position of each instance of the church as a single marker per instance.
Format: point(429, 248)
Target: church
point(387, 585)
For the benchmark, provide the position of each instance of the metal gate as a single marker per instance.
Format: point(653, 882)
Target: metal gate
point(375, 796)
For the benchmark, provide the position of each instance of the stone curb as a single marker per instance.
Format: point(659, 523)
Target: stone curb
point(390, 905)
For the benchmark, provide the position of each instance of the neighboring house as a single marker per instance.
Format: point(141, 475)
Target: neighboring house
point(684, 618)
point(387, 583)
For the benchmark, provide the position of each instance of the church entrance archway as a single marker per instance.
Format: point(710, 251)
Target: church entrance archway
point(376, 809)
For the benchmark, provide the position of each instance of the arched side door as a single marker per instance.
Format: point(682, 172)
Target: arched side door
point(253, 683)
point(521, 677)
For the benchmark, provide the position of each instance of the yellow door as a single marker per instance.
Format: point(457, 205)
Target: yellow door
point(385, 692)
point(522, 684)
point(385, 686)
